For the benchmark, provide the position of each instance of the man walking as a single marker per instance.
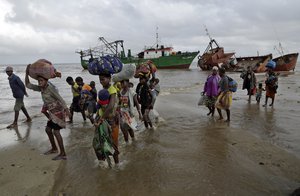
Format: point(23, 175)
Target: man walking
point(18, 90)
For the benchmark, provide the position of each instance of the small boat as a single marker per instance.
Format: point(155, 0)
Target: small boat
point(96, 52)
point(258, 63)
point(214, 55)
point(286, 62)
point(163, 57)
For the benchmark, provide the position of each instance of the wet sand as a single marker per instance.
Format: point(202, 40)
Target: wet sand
point(197, 155)
point(188, 154)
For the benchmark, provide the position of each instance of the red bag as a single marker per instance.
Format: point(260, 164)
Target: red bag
point(253, 91)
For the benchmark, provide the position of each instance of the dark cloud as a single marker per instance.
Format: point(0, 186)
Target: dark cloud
point(58, 28)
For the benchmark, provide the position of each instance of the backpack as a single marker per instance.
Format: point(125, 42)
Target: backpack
point(232, 84)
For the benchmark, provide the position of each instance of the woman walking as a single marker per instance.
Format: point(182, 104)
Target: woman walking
point(225, 96)
point(249, 82)
point(271, 86)
point(211, 88)
point(55, 109)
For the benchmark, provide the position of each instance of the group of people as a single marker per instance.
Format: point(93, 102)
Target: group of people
point(114, 105)
point(84, 98)
point(219, 95)
point(250, 84)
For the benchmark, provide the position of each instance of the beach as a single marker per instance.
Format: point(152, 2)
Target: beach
point(189, 153)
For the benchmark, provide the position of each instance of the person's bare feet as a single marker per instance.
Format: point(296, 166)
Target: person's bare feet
point(12, 125)
point(51, 151)
point(59, 157)
point(28, 120)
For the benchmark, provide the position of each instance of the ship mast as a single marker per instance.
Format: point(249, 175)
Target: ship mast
point(211, 40)
point(156, 38)
point(280, 49)
point(207, 33)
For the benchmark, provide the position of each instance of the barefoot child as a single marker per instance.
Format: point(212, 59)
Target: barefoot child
point(126, 104)
point(259, 92)
point(75, 107)
point(55, 109)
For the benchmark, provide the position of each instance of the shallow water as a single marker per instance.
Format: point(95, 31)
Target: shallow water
point(187, 154)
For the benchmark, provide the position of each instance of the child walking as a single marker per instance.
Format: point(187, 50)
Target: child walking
point(259, 92)
point(75, 107)
point(127, 102)
point(145, 99)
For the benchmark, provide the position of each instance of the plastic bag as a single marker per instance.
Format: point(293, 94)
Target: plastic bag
point(127, 72)
point(202, 100)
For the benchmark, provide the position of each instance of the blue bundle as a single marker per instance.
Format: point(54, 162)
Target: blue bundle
point(271, 64)
point(105, 65)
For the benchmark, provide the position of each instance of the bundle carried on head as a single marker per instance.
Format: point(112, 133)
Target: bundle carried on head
point(271, 64)
point(145, 69)
point(152, 66)
point(127, 72)
point(43, 68)
point(105, 65)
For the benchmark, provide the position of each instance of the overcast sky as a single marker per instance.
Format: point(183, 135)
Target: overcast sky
point(52, 29)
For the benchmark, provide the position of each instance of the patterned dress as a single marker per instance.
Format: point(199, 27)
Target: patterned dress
point(211, 89)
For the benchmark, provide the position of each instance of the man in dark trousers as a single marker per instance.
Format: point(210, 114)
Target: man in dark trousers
point(18, 90)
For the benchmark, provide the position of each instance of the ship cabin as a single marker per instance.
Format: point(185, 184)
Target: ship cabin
point(152, 53)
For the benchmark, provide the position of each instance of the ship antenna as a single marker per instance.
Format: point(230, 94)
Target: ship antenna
point(207, 33)
point(156, 37)
point(280, 49)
